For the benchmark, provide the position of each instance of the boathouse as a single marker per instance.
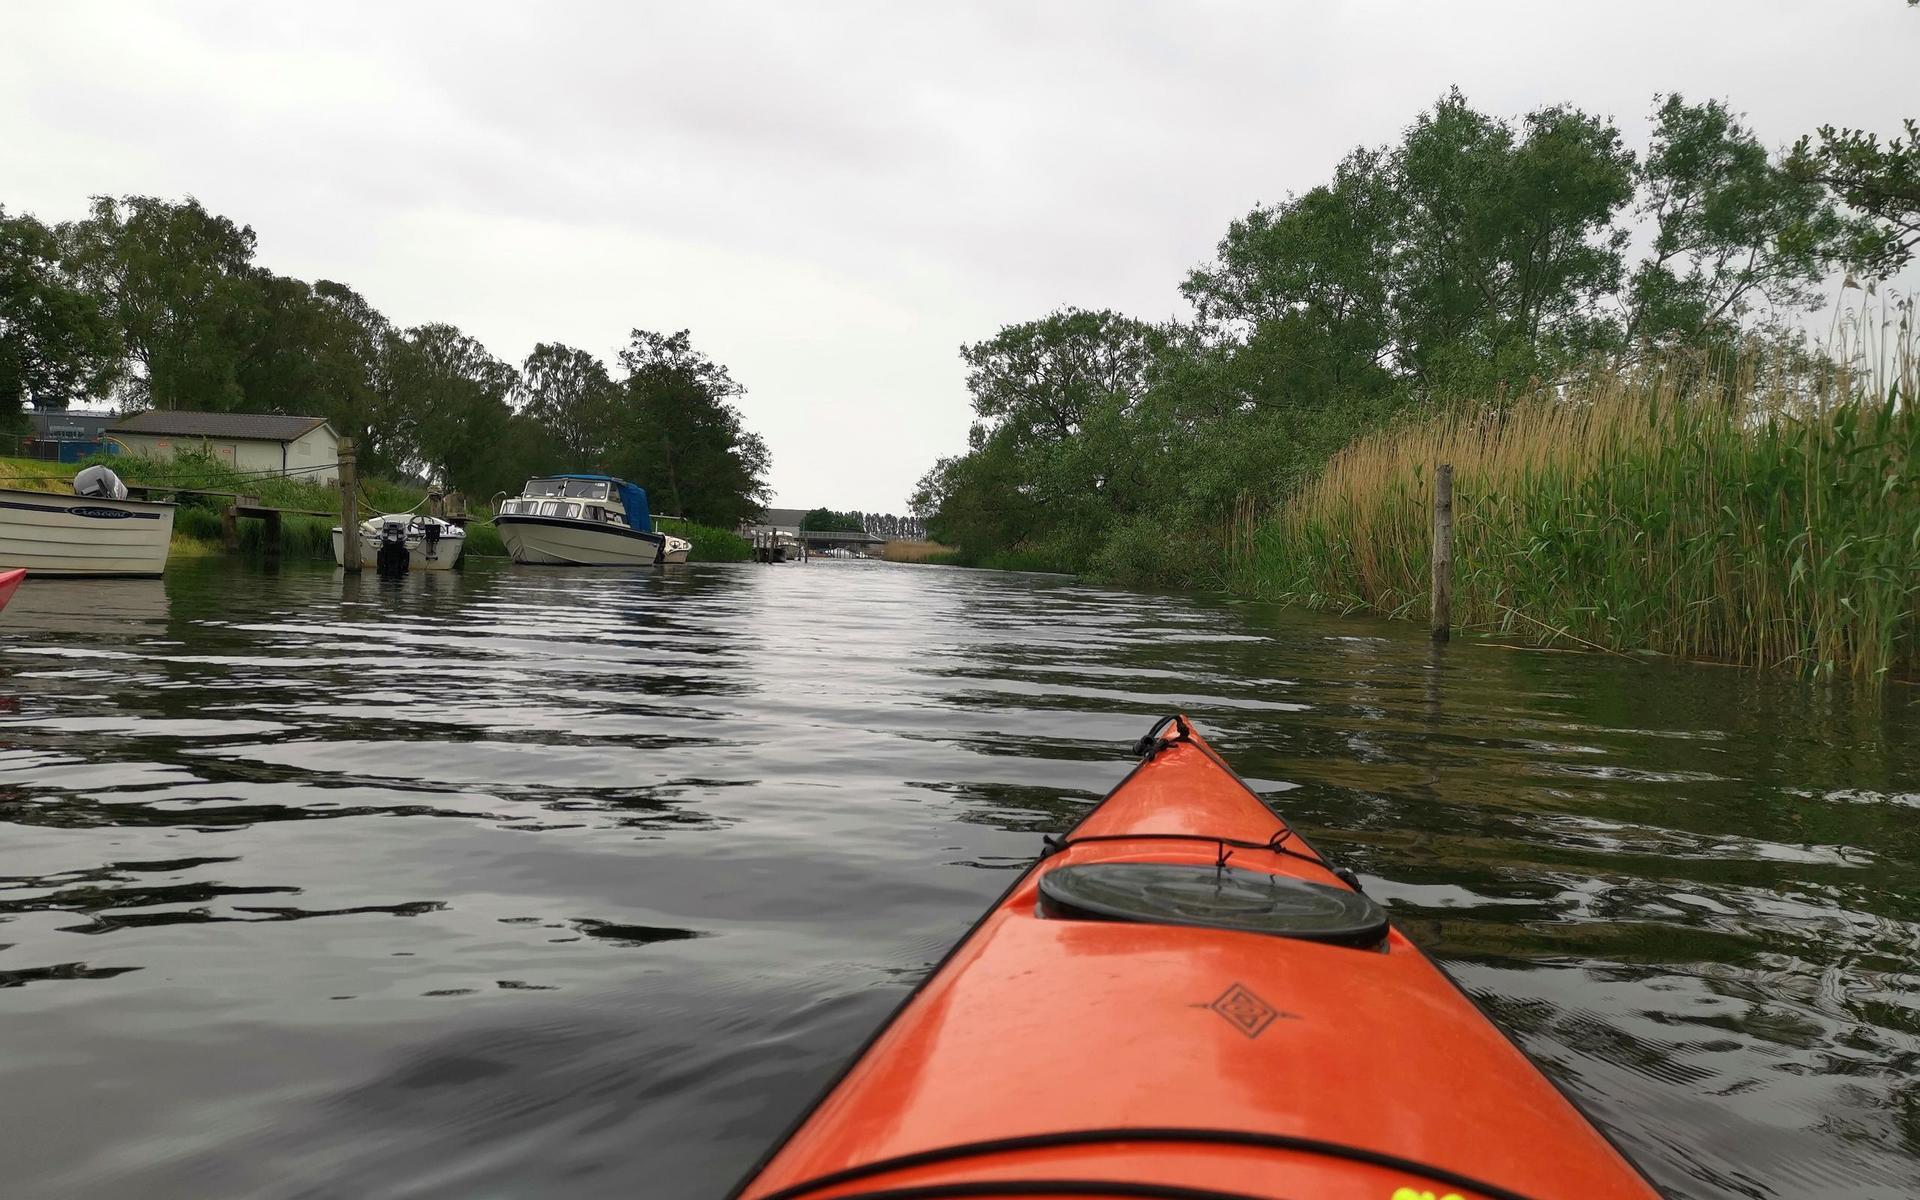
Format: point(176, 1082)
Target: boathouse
point(251, 442)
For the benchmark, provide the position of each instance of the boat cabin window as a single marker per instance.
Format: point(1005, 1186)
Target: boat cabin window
point(551, 508)
point(586, 489)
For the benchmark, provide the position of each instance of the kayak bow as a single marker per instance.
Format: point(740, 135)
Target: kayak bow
point(1181, 999)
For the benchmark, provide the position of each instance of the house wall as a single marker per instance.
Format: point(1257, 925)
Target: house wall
point(319, 447)
point(316, 448)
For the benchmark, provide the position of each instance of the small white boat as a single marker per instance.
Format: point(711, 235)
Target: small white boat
point(432, 544)
point(584, 521)
point(96, 531)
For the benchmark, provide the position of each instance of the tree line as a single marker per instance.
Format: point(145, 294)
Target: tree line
point(886, 525)
point(1477, 257)
point(157, 303)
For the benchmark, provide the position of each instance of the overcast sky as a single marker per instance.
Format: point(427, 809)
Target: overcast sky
point(832, 197)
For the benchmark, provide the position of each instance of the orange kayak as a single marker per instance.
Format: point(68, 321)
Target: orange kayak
point(10, 583)
point(1182, 999)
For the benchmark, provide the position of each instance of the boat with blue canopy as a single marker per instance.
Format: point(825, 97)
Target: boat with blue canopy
point(585, 521)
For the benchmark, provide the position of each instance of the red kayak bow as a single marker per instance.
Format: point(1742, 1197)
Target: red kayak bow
point(1182, 999)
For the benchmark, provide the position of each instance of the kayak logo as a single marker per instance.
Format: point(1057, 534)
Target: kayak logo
point(1417, 1194)
point(1246, 1011)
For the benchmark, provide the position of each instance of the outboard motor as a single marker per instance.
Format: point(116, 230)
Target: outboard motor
point(99, 483)
point(430, 537)
point(391, 560)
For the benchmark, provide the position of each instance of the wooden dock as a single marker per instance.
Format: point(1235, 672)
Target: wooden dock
point(238, 505)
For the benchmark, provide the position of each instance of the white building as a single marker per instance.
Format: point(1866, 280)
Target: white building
point(251, 442)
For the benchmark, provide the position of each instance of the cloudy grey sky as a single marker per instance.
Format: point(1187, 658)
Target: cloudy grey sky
point(831, 196)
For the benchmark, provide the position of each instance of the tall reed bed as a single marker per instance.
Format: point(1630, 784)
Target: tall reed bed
point(1700, 511)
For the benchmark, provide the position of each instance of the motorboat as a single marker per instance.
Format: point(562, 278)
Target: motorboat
point(432, 544)
point(584, 521)
point(95, 531)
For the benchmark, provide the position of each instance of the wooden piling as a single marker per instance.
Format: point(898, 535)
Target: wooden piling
point(1442, 552)
point(349, 527)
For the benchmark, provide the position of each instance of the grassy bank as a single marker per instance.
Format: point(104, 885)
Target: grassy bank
point(1760, 523)
point(709, 544)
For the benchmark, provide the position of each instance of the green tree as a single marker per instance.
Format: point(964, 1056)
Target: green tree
point(1733, 227)
point(1882, 184)
point(1509, 246)
point(1306, 287)
point(568, 394)
point(449, 402)
point(56, 346)
point(676, 431)
point(826, 520)
point(177, 280)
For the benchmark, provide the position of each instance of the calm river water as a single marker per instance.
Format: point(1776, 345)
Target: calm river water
point(518, 883)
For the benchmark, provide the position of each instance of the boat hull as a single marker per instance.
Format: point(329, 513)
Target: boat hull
point(51, 534)
point(1167, 1052)
point(557, 541)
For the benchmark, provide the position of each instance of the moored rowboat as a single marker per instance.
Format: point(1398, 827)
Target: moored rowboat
point(1182, 999)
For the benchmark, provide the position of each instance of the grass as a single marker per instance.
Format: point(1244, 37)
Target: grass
point(710, 544)
point(1698, 512)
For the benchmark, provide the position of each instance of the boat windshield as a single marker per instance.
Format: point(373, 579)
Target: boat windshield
point(586, 489)
point(542, 487)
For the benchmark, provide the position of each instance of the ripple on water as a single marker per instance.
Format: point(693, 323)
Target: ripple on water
point(546, 882)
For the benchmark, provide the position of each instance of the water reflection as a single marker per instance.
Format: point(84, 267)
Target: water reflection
point(542, 882)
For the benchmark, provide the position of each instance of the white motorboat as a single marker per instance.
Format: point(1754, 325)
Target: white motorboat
point(96, 531)
point(676, 550)
point(432, 544)
point(584, 521)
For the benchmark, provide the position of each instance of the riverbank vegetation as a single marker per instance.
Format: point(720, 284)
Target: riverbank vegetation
point(1712, 515)
point(152, 302)
point(1608, 338)
point(197, 524)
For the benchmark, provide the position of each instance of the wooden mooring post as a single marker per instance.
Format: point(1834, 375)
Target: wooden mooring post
point(349, 528)
point(1442, 552)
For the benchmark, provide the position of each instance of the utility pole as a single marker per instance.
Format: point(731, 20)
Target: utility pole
point(349, 527)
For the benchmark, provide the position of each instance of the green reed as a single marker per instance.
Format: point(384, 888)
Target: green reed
point(1696, 510)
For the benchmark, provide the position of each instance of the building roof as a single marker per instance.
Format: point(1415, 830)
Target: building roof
point(89, 423)
point(862, 538)
point(244, 427)
point(782, 517)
